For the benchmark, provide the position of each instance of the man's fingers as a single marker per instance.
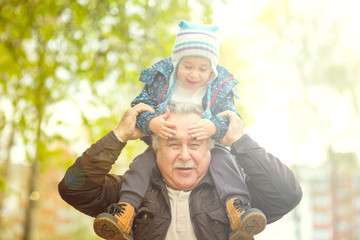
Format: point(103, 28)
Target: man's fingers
point(226, 113)
point(142, 107)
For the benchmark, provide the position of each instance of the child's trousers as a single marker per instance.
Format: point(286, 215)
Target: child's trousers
point(228, 176)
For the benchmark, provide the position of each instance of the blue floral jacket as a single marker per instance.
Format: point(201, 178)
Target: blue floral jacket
point(156, 89)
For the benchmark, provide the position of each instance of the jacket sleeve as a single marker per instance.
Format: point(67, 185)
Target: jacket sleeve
point(87, 184)
point(272, 185)
point(222, 123)
point(150, 96)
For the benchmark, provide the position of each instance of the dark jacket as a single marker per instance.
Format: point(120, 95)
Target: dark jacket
point(88, 187)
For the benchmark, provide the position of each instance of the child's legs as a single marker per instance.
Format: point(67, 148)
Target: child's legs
point(228, 177)
point(137, 178)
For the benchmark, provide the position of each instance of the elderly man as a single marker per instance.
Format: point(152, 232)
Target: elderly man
point(181, 201)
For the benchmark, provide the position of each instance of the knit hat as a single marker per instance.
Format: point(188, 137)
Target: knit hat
point(195, 39)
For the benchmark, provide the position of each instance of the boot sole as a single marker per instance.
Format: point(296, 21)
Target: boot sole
point(108, 229)
point(250, 225)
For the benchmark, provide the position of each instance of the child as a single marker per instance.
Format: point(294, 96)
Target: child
point(192, 75)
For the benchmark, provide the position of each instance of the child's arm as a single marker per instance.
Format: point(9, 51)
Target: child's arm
point(221, 122)
point(150, 96)
point(144, 118)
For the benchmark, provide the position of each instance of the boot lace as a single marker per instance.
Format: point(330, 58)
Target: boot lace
point(117, 209)
point(240, 206)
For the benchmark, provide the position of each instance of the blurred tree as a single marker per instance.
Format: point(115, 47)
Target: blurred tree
point(319, 44)
point(53, 52)
point(314, 43)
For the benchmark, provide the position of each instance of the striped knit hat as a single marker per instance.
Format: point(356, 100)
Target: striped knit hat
point(196, 39)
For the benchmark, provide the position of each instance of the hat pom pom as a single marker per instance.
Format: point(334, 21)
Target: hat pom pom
point(184, 25)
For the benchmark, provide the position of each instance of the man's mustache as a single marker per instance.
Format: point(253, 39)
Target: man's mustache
point(187, 164)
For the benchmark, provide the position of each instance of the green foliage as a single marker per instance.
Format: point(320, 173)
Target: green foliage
point(50, 48)
point(321, 56)
point(88, 53)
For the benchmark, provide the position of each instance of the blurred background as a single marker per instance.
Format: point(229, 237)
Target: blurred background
point(69, 69)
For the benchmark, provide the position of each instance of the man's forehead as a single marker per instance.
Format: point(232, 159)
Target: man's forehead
point(183, 122)
point(182, 133)
point(179, 138)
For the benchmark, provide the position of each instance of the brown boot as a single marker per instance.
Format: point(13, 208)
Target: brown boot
point(116, 224)
point(245, 221)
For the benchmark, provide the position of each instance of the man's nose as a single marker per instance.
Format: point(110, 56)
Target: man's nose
point(185, 154)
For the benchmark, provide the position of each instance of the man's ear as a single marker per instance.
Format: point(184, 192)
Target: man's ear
point(156, 150)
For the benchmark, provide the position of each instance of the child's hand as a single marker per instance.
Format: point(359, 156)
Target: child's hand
point(203, 129)
point(161, 127)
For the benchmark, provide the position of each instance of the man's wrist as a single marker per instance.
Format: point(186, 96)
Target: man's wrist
point(240, 145)
point(237, 138)
point(118, 136)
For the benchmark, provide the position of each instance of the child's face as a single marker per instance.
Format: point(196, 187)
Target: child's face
point(193, 72)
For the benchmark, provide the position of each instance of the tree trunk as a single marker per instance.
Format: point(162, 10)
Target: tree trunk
point(33, 176)
point(31, 206)
point(6, 170)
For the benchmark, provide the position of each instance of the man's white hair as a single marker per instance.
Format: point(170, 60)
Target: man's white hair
point(183, 109)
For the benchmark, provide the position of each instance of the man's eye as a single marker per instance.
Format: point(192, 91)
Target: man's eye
point(173, 145)
point(195, 145)
point(188, 67)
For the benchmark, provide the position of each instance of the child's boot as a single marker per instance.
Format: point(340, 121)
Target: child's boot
point(245, 221)
point(116, 224)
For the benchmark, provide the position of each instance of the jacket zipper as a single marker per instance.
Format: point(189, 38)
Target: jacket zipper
point(161, 186)
point(191, 216)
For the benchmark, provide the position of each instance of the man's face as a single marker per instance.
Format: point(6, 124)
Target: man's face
point(183, 161)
